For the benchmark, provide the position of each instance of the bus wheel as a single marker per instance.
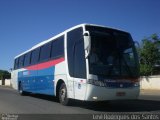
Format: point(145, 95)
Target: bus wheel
point(21, 92)
point(63, 99)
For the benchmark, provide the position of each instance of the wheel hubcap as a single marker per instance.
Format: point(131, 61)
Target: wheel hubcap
point(63, 94)
point(20, 89)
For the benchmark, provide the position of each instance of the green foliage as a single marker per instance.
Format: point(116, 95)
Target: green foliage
point(149, 54)
point(4, 74)
point(145, 70)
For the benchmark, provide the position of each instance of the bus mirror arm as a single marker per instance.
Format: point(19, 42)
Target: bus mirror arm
point(11, 69)
point(137, 43)
point(87, 43)
point(138, 46)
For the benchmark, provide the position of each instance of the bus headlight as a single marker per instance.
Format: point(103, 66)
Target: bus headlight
point(136, 84)
point(97, 82)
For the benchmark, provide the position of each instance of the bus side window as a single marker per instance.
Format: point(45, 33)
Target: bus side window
point(21, 61)
point(35, 56)
point(16, 63)
point(75, 52)
point(57, 48)
point(27, 59)
point(45, 52)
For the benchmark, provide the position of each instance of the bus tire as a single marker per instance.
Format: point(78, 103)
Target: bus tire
point(20, 89)
point(63, 99)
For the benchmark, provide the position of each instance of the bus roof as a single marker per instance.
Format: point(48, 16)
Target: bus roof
point(60, 34)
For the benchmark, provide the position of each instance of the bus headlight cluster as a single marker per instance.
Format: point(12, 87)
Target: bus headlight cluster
point(97, 82)
point(105, 83)
point(136, 84)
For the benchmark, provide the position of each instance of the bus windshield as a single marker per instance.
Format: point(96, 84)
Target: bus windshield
point(113, 54)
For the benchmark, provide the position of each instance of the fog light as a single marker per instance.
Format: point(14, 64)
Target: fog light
point(136, 84)
point(95, 98)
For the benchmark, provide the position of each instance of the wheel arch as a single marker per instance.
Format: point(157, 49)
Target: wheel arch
point(19, 83)
point(59, 82)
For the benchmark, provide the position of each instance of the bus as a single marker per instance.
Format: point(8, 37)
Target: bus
point(86, 62)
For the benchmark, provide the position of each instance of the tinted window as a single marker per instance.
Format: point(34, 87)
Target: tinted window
point(16, 62)
point(35, 56)
point(27, 59)
point(45, 52)
point(21, 61)
point(75, 52)
point(58, 48)
point(112, 53)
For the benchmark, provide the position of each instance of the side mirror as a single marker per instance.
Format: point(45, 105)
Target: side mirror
point(11, 69)
point(86, 40)
point(137, 43)
point(137, 46)
point(87, 43)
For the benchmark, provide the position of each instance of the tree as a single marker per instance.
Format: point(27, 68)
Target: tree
point(149, 55)
point(4, 75)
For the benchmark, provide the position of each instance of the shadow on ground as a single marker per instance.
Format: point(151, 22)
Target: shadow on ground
point(111, 106)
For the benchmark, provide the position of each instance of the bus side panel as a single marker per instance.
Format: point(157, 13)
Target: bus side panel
point(39, 78)
point(60, 74)
point(44, 81)
point(37, 81)
point(27, 79)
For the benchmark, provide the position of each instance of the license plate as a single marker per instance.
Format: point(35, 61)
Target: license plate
point(120, 94)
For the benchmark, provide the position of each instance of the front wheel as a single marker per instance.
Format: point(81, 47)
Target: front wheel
point(63, 98)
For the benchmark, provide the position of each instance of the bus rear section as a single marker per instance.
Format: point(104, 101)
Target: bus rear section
point(36, 70)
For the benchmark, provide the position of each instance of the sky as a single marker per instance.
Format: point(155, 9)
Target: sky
point(25, 23)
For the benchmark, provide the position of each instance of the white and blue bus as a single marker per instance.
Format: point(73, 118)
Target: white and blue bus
point(86, 62)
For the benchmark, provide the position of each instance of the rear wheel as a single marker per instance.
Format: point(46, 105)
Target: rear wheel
point(21, 92)
point(63, 98)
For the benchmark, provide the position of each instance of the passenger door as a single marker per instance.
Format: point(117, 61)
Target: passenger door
point(76, 62)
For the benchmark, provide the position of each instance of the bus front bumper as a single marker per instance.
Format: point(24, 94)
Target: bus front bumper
point(97, 93)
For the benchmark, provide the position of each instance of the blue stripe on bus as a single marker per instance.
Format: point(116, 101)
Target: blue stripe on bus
point(38, 81)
